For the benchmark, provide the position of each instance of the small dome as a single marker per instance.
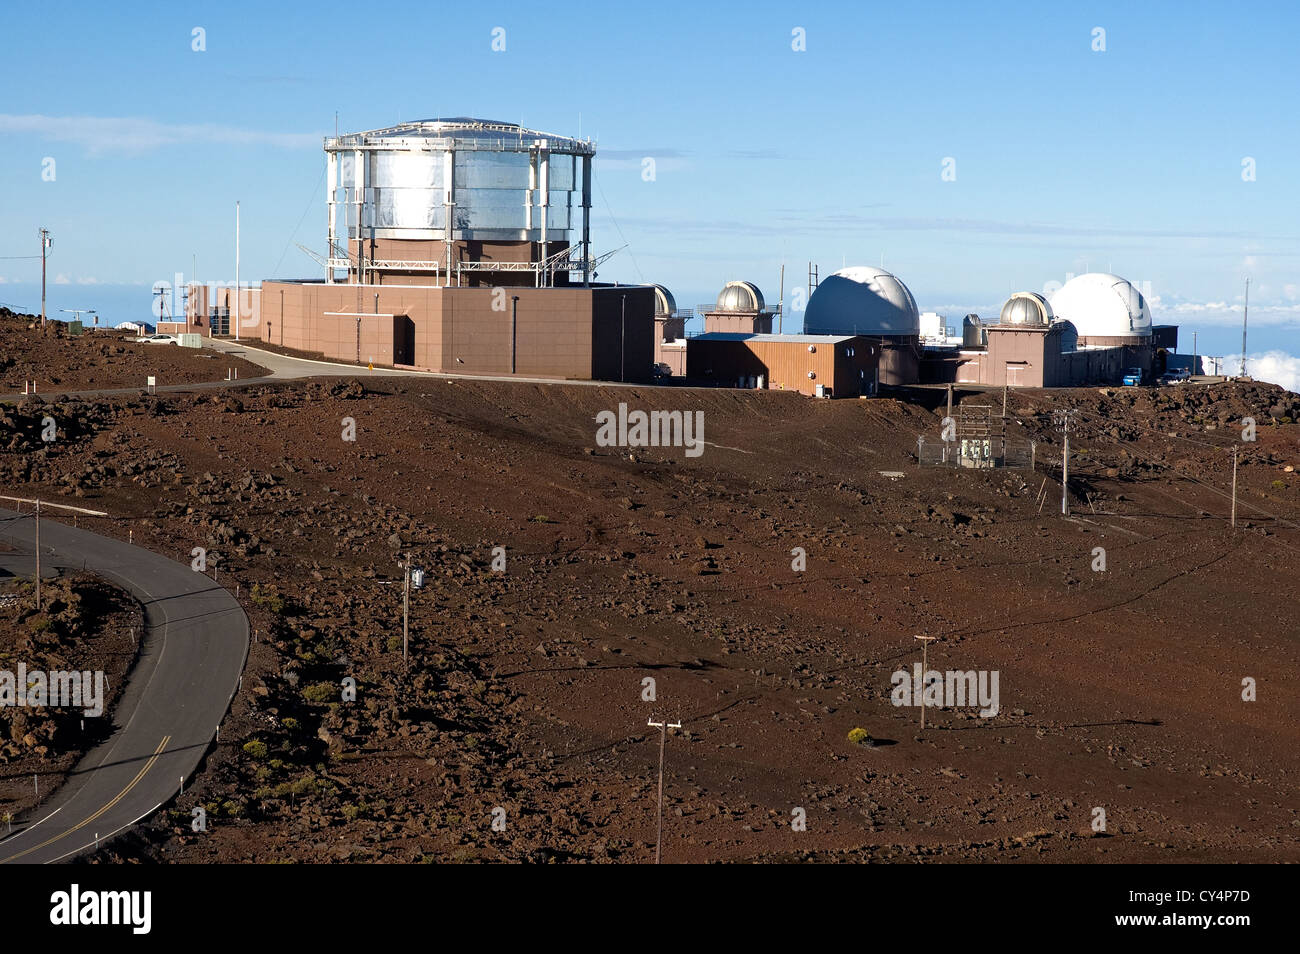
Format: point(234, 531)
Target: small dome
point(741, 297)
point(1103, 306)
point(1026, 308)
point(862, 299)
point(665, 304)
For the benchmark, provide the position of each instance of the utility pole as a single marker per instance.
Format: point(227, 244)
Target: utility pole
point(1234, 488)
point(1004, 402)
point(663, 728)
point(948, 418)
point(237, 305)
point(1062, 420)
point(780, 305)
point(1193, 352)
point(406, 606)
point(622, 344)
point(925, 666)
point(38, 503)
point(1244, 309)
point(514, 329)
point(46, 242)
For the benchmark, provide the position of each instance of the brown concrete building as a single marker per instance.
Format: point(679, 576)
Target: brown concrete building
point(740, 309)
point(670, 334)
point(838, 365)
point(603, 333)
point(210, 310)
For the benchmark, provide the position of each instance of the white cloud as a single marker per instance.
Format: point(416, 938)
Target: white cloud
point(1262, 313)
point(1275, 367)
point(62, 279)
point(99, 135)
point(89, 281)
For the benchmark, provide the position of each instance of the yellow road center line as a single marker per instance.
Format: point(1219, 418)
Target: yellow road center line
point(120, 795)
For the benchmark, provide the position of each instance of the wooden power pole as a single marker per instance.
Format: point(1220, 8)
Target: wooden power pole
point(1234, 488)
point(663, 728)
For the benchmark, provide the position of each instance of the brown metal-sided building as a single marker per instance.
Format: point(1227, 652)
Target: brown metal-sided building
point(815, 365)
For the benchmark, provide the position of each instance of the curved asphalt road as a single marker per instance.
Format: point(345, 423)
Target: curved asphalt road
point(193, 651)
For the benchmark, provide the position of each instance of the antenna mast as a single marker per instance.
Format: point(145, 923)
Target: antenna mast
point(1244, 311)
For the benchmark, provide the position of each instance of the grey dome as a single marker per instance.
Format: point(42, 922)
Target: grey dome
point(1026, 308)
point(863, 300)
point(665, 304)
point(741, 297)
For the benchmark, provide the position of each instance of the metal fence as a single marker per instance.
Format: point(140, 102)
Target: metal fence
point(978, 454)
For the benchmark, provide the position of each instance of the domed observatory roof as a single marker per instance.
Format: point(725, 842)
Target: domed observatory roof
point(743, 297)
point(1103, 306)
point(1026, 308)
point(665, 304)
point(862, 300)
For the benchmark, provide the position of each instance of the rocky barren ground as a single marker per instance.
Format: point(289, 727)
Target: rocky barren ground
point(85, 625)
point(97, 359)
point(524, 690)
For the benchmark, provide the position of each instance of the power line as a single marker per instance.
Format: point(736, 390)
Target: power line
point(610, 210)
point(275, 271)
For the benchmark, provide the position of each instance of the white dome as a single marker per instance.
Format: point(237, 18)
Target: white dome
point(1101, 305)
point(862, 300)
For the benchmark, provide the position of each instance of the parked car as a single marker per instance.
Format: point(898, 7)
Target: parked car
point(1133, 377)
point(160, 339)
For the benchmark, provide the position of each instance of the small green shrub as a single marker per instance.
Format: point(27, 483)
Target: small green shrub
point(860, 737)
point(320, 692)
point(255, 749)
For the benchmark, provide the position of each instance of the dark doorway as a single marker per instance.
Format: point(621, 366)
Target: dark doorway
point(403, 340)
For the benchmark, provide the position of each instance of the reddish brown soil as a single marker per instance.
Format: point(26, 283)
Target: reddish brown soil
point(97, 359)
point(1119, 689)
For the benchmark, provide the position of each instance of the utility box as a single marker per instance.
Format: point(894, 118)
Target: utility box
point(75, 327)
point(190, 341)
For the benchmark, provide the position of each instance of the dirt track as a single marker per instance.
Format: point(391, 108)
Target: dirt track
point(1120, 690)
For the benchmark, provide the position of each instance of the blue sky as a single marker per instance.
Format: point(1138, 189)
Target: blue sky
point(1066, 158)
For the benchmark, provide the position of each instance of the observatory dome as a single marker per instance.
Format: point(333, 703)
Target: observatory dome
point(1101, 305)
point(1026, 308)
point(862, 300)
point(740, 297)
point(665, 304)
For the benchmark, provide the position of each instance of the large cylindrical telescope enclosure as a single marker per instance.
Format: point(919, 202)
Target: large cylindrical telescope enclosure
point(455, 181)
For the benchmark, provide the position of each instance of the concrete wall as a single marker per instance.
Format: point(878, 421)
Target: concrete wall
point(201, 299)
point(568, 332)
point(745, 323)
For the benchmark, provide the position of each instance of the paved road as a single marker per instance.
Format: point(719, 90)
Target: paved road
point(193, 651)
point(283, 367)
